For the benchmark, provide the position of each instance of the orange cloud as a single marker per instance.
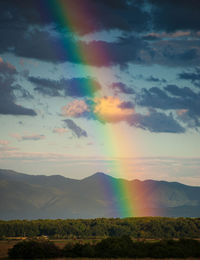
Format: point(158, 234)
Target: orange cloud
point(181, 112)
point(60, 130)
point(110, 109)
point(75, 108)
point(4, 142)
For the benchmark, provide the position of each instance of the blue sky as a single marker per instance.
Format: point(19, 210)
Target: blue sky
point(134, 101)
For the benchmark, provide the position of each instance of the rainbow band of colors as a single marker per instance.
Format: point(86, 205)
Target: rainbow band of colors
point(73, 15)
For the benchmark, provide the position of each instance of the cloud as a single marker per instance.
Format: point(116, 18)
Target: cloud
point(184, 92)
point(182, 98)
point(122, 52)
point(16, 135)
point(44, 45)
point(4, 146)
point(7, 68)
point(156, 80)
point(105, 109)
point(156, 122)
point(181, 112)
point(183, 101)
point(111, 109)
point(154, 36)
point(151, 37)
point(135, 50)
point(189, 118)
point(32, 137)
point(194, 76)
point(184, 15)
point(120, 87)
point(43, 39)
point(8, 87)
point(33, 156)
point(8, 148)
point(172, 52)
point(46, 86)
point(158, 98)
point(76, 108)
point(127, 105)
point(75, 87)
point(76, 130)
point(81, 87)
point(174, 98)
point(121, 15)
point(60, 131)
point(4, 142)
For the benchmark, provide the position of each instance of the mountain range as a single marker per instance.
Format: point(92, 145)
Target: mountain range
point(24, 196)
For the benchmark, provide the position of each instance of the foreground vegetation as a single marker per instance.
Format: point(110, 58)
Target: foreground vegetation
point(108, 248)
point(148, 227)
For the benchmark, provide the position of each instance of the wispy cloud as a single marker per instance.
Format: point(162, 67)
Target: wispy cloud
point(32, 137)
point(60, 131)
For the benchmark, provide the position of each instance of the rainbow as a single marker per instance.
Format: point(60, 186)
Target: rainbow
point(75, 16)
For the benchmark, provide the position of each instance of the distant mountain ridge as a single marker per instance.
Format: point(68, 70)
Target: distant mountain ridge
point(24, 196)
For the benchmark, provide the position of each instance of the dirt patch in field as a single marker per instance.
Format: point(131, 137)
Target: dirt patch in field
point(4, 246)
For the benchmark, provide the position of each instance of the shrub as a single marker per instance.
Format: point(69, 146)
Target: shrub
point(34, 249)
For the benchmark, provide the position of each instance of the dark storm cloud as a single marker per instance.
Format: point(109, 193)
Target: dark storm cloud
point(45, 46)
point(23, 33)
point(38, 44)
point(81, 87)
point(180, 98)
point(173, 15)
point(120, 87)
point(173, 52)
point(188, 99)
point(125, 50)
point(156, 122)
point(158, 98)
point(150, 37)
point(123, 15)
point(42, 45)
point(183, 100)
point(46, 86)
point(78, 131)
point(8, 87)
point(30, 29)
point(156, 80)
point(126, 105)
point(184, 56)
point(194, 76)
point(184, 92)
point(8, 105)
point(75, 87)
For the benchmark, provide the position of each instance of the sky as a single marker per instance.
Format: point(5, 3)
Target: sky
point(101, 85)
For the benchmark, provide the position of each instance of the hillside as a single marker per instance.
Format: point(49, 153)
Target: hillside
point(26, 196)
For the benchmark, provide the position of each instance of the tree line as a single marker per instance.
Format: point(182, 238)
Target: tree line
point(115, 247)
point(144, 227)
